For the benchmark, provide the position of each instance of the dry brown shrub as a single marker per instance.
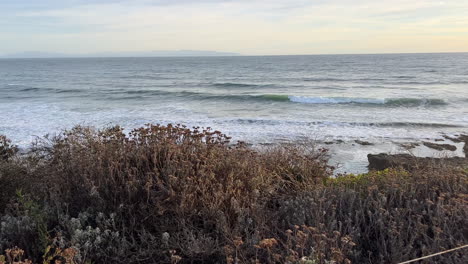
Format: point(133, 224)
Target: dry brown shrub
point(179, 195)
point(192, 184)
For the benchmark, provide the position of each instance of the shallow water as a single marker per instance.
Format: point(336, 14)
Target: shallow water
point(379, 98)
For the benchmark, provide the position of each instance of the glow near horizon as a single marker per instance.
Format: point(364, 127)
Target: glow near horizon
point(246, 27)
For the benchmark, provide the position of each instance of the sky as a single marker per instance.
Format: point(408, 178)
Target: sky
point(249, 27)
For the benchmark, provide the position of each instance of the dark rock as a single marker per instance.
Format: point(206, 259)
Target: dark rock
point(454, 140)
point(329, 142)
point(363, 143)
point(409, 146)
point(384, 161)
point(460, 139)
point(438, 139)
point(439, 146)
point(464, 138)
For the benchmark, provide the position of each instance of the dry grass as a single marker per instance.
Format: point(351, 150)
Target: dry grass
point(178, 195)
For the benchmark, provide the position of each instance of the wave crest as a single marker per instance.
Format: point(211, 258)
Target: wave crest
point(369, 101)
point(238, 85)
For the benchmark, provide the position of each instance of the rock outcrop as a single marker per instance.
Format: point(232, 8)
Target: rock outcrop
point(383, 161)
point(464, 138)
point(439, 147)
point(363, 143)
point(459, 139)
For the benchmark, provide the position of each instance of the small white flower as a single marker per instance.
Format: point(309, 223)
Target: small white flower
point(165, 237)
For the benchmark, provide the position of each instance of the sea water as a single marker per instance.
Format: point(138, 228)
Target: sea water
point(258, 99)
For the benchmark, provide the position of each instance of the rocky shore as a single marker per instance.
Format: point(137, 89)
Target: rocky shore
point(360, 155)
point(383, 161)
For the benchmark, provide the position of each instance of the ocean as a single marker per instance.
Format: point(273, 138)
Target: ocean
point(382, 99)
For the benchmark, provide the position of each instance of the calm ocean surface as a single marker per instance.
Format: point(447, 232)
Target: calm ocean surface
point(257, 99)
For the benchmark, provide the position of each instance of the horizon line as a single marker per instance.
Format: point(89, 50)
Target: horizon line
point(233, 55)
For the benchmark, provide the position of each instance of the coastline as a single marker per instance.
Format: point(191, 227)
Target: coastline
point(352, 156)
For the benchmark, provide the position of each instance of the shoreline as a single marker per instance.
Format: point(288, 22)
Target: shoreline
point(350, 156)
point(353, 155)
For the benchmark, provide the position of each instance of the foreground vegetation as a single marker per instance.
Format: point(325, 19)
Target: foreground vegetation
point(176, 195)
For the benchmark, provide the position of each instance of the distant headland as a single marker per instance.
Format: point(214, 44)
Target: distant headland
point(159, 53)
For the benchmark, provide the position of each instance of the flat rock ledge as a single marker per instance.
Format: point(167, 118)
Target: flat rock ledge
point(384, 161)
point(460, 138)
point(439, 147)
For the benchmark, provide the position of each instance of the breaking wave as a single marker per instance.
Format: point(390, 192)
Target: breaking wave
point(364, 101)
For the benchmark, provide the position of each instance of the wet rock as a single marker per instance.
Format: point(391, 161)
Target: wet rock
point(363, 143)
point(384, 161)
point(453, 139)
point(464, 138)
point(439, 147)
point(409, 146)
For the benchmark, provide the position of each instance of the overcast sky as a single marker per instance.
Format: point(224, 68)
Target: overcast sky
point(251, 27)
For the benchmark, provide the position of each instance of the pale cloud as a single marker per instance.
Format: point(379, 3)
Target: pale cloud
point(248, 27)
